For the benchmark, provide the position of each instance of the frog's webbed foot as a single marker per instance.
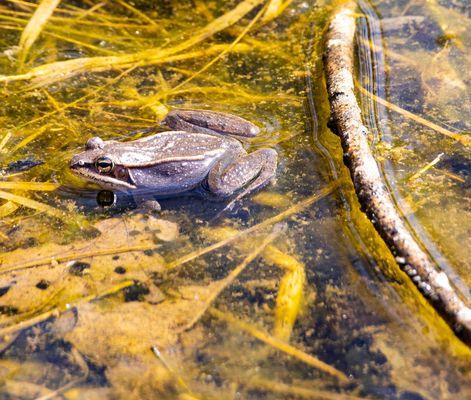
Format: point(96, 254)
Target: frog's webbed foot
point(249, 172)
point(204, 121)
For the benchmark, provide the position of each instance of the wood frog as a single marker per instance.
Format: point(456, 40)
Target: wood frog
point(202, 153)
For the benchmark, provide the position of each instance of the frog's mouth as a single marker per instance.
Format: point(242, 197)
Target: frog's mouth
point(105, 181)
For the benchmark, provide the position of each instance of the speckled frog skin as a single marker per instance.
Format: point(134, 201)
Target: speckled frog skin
point(202, 152)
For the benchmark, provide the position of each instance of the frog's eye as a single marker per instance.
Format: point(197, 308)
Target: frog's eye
point(104, 165)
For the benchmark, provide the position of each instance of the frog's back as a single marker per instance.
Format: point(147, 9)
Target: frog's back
point(167, 147)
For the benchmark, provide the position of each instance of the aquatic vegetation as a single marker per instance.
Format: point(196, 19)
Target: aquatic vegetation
point(280, 297)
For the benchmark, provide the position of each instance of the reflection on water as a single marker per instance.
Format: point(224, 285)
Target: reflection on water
point(418, 62)
point(291, 293)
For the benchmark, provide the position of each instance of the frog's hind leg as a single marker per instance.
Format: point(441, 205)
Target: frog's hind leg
point(248, 172)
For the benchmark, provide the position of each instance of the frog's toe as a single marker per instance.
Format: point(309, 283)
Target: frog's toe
point(150, 205)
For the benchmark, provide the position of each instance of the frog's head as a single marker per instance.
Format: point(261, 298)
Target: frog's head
point(100, 165)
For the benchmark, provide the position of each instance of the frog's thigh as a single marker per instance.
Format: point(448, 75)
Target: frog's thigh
point(258, 167)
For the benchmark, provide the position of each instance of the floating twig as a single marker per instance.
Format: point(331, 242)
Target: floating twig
point(371, 191)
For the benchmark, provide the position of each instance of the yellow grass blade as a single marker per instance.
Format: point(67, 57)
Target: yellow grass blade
point(34, 27)
point(295, 391)
point(29, 138)
point(76, 255)
point(7, 208)
point(424, 169)
point(64, 308)
point(35, 205)
point(225, 51)
point(288, 302)
point(60, 70)
point(140, 14)
point(277, 344)
point(229, 279)
point(274, 9)
point(460, 138)
point(262, 225)
point(41, 186)
point(5, 140)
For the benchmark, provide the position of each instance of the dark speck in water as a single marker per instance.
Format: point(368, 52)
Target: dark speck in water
point(78, 267)
point(120, 270)
point(136, 292)
point(43, 284)
point(29, 242)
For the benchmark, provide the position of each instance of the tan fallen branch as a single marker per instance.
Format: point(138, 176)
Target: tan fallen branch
point(371, 192)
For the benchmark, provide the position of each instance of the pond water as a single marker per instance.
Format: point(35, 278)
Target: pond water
point(291, 294)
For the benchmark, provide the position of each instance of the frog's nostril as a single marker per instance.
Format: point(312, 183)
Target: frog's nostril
point(74, 163)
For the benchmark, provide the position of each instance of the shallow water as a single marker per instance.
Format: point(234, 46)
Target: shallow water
point(114, 303)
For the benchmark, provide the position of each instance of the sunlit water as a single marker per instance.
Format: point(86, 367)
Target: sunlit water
point(127, 306)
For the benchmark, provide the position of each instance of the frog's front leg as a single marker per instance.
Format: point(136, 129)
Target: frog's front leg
point(243, 171)
point(203, 121)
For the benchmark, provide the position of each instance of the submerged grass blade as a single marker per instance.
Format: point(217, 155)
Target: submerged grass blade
point(225, 51)
point(288, 302)
point(277, 344)
point(7, 208)
point(424, 169)
point(35, 205)
point(134, 10)
point(77, 255)
point(4, 140)
point(229, 279)
point(66, 307)
point(41, 186)
point(34, 27)
point(296, 391)
point(274, 9)
point(60, 70)
point(268, 222)
point(29, 138)
point(465, 140)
